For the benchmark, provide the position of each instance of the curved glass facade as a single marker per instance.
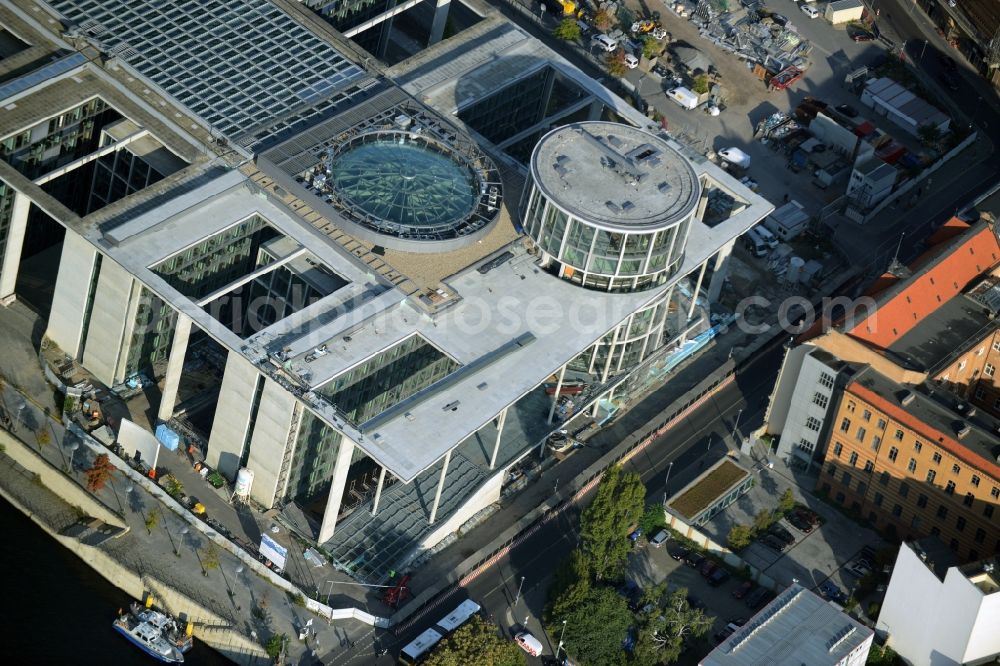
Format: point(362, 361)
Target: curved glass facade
point(633, 340)
point(601, 259)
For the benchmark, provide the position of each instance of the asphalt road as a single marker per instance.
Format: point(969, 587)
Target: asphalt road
point(690, 446)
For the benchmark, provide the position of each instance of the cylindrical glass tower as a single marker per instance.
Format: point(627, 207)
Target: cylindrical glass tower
point(610, 205)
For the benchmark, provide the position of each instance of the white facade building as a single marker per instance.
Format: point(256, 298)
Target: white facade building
point(939, 614)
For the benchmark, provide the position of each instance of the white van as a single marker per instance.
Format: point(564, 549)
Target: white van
point(754, 244)
point(684, 97)
point(604, 43)
point(770, 240)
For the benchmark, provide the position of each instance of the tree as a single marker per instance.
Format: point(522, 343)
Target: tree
point(786, 502)
point(661, 633)
point(883, 656)
point(476, 642)
point(275, 645)
point(653, 519)
point(615, 62)
point(650, 47)
point(604, 20)
point(700, 85)
point(604, 524)
point(173, 486)
point(763, 520)
point(99, 473)
point(739, 537)
point(210, 557)
point(567, 30)
point(596, 627)
point(570, 585)
point(152, 520)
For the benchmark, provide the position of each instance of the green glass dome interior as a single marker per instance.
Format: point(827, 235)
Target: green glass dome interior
point(410, 184)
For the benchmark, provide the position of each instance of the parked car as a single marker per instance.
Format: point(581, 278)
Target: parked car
point(847, 110)
point(529, 643)
point(830, 590)
point(659, 539)
point(604, 43)
point(707, 568)
point(679, 552)
point(631, 61)
point(780, 19)
point(757, 598)
point(810, 11)
point(726, 632)
point(694, 560)
point(860, 34)
point(781, 533)
point(773, 542)
point(743, 589)
point(718, 577)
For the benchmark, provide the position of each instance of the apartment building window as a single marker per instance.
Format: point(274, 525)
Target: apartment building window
point(912, 465)
point(969, 499)
point(996, 346)
point(862, 487)
point(853, 459)
point(980, 535)
point(960, 524)
point(975, 481)
point(988, 510)
point(826, 380)
point(980, 393)
point(961, 366)
point(820, 399)
point(917, 446)
point(995, 493)
point(949, 488)
point(878, 499)
point(813, 424)
point(845, 478)
point(955, 469)
point(942, 512)
point(915, 522)
point(869, 466)
point(851, 406)
point(876, 442)
point(837, 448)
point(899, 435)
point(930, 475)
point(897, 511)
point(904, 489)
point(845, 425)
point(881, 424)
point(840, 498)
point(831, 469)
point(936, 458)
point(893, 452)
point(989, 370)
point(866, 415)
point(922, 500)
point(884, 479)
point(860, 434)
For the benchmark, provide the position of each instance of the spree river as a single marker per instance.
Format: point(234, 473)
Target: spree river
point(56, 610)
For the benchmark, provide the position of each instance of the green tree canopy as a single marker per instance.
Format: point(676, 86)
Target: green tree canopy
point(615, 62)
point(604, 525)
point(570, 585)
point(596, 627)
point(662, 631)
point(476, 642)
point(651, 47)
point(739, 537)
point(567, 30)
point(787, 501)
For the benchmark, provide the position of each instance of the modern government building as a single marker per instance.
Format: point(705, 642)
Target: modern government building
point(350, 265)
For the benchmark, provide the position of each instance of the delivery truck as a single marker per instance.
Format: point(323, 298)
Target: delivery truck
point(684, 97)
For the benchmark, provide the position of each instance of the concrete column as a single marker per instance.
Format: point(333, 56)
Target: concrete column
point(175, 366)
point(340, 468)
point(543, 105)
point(437, 26)
point(12, 253)
point(694, 301)
point(721, 271)
point(611, 352)
point(596, 109)
point(555, 397)
point(496, 445)
point(440, 488)
point(378, 491)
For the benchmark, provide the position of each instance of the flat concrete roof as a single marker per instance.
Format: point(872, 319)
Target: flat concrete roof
point(944, 333)
point(798, 627)
point(619, 177)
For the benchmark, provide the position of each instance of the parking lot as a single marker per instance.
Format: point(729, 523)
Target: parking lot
point(824, 553)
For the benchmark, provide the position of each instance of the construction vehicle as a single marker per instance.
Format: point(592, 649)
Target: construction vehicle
point(642, 26)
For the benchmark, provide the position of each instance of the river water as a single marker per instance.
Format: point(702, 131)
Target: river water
point(56, 610)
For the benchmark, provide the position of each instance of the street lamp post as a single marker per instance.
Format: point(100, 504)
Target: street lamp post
point(736, 428)
point(922, 51)
point(561, 635)
point(518, 597)
point(666, 483)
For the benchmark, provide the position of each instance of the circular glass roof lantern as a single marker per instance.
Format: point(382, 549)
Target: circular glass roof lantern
point(412, 192)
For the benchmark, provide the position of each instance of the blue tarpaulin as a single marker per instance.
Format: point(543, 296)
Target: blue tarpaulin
point(167, 437)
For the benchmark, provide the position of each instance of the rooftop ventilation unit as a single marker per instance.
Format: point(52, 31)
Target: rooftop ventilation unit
point(614, 141)
point(627, 206)
point(907, 398)
point(663, 187)
point(612, 206)
point(962, 429)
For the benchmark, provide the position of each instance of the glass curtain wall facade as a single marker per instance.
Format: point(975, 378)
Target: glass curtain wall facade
point(152, 334)
point(385, 379)
point(118, 175)
point(639, 336)
point(602, 259)
point(316, 449)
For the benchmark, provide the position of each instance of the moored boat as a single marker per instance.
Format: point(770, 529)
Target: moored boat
point(155, 633)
